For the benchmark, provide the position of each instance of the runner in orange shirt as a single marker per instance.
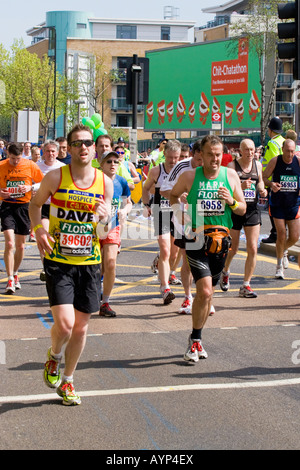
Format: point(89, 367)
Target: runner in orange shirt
point(17, 175)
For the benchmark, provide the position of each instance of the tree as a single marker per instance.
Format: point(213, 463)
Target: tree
point(260, 28)
point(29, 83)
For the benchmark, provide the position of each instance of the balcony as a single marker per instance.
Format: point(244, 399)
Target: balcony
point(284, 108)
point(119, 104)
point(285, 80)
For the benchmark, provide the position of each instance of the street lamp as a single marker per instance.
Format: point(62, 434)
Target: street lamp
point(79, 102)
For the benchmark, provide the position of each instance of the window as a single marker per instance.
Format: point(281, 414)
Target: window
point(165, 33)
point(124, 120)
point(81, 25)
point(126, 32)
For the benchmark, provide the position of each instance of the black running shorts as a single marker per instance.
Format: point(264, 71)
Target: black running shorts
point(75, 285)
point(15, 216)
point(251, 218)
point(205, 265)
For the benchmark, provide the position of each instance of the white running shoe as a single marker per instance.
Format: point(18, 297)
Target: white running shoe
point(285, 261)
point(168, 296)
point(195, 351)
point(212, 310)
point(224, 281)
point(186, 306)
point(10, 287)
point(279, 273)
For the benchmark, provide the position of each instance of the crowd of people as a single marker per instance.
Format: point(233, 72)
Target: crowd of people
point(74, 195)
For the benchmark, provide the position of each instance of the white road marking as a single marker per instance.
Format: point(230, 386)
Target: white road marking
point(172, 388)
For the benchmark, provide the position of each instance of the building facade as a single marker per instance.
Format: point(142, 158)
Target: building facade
point(74, 39)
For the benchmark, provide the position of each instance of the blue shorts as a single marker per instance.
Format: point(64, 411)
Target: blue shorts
point(286, 213)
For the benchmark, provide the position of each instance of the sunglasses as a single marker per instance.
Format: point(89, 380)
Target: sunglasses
point(115, 162)
point(79, 143)
point(121, 153)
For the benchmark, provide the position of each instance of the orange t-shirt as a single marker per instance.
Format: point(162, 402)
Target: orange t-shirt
point(26, 172)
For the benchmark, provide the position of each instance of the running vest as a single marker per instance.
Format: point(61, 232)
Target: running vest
point(203, 200)
point(159, 201)
point(250, 194)
point(72, 221)
point(287, 174)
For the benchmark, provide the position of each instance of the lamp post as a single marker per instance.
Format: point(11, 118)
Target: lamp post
point(79, 102)
point(52, 42)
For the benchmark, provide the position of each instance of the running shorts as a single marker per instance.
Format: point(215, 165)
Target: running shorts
point(251, 218)
point(113, 237)
point(163, 223)
point(75, 285)
point(286, 213)
point(15, 216)
point(205, 264)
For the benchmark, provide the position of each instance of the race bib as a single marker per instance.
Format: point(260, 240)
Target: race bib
point(211, 207)
point(250, 193)
point(288, 183)
point(13, 188)
point(76, 239)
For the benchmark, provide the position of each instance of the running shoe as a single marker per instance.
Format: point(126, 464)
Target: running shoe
point(246, 291)
point(17, 282)
point(195, 351)
point(52, 375)
point(106, 311)
point(10, 287)
point(212, 310)
point(67, 391)
point(186, 306)
point(224, 281)
point(174, 281)
point(279, 273)
point(168, 296)
point(31, 238)
point(154, 266)
point(285, 261)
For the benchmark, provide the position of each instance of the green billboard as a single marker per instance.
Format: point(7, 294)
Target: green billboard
point(192, 87)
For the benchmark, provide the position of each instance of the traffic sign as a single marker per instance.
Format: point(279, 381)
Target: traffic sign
point(216, 117)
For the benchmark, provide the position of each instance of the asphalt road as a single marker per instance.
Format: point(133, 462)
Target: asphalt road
point(137, 392)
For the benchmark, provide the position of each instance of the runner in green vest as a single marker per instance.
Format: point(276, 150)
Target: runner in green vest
point(214, 192)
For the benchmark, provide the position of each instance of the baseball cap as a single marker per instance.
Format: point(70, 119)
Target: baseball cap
point(107, 154)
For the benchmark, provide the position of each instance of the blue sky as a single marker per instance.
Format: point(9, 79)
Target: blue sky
point(17, 16)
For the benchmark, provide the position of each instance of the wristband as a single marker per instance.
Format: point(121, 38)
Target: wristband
point(37, 227)
point(234, 206)
point(105, 223)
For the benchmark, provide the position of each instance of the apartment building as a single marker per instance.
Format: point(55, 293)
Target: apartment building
point(74, 38)
point(237, 12)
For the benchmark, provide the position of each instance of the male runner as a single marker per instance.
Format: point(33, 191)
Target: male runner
point(213, 193)
point(17, 175)
point(249, 171)
point(186, 164)
point(50, 162)
point(80, 196)
point(284, 201)
point(162, 213)
point(120, 207)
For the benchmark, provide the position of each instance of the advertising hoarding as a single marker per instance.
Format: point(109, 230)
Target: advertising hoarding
point(190, 84)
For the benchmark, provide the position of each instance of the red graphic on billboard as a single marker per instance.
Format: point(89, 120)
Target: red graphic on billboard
point(215, 106)
point(203, 108)
point(228, 112)
point(192, 112)
point(170, 111)
point(240, 109)
point(254, 105)
point(161, 109)
point(230, 77)
point(181, 108)
point(149, 111)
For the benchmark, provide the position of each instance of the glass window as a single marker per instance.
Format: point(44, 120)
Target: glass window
point(126, 32)
point(165, 33)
